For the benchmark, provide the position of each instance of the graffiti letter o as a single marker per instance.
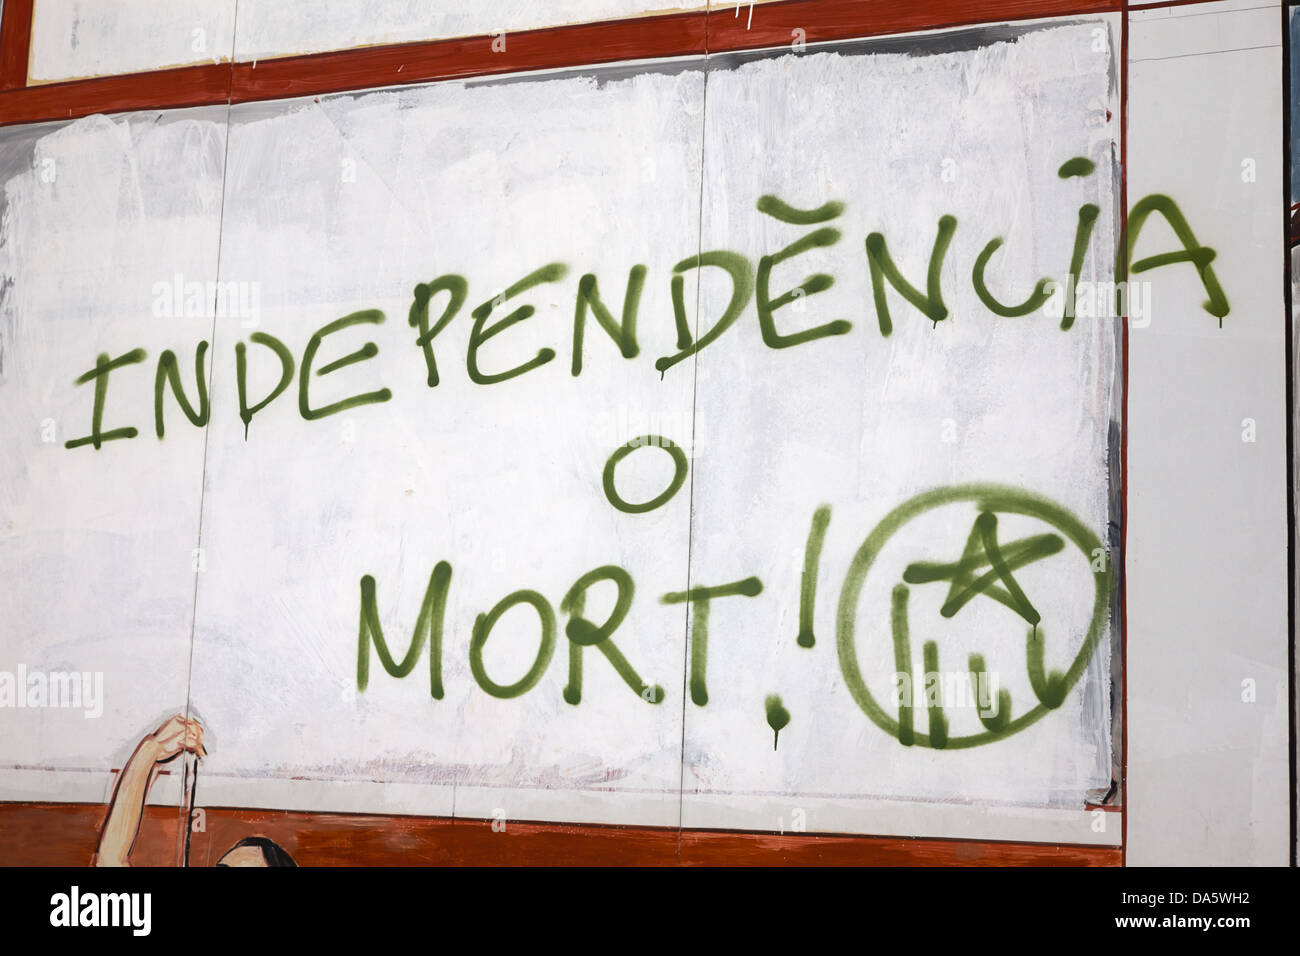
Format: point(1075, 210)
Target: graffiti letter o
point(679, 474)
point(483, 627)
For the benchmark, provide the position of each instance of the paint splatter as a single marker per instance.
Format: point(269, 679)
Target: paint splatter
point(777, 717)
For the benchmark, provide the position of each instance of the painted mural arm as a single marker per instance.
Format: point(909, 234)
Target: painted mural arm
point(126, 808)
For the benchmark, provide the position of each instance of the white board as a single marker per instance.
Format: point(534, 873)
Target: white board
point(1208, 672)
point(341, 206)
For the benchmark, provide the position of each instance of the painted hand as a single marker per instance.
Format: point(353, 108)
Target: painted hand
point(176, 735)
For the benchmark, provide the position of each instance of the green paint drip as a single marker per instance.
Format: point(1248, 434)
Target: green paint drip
point(777, 717)
point(934, 696)
point(1049, 688)
point(808, 586)
point(902, 661)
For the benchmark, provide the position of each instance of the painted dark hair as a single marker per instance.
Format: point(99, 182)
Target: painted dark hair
point(274, 854)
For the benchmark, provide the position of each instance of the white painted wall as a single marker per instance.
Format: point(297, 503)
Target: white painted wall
point(345, 204)
point(74, 39)
point(1207, 772)
point(863, 422)
point(1295, 471)
point(100, 551)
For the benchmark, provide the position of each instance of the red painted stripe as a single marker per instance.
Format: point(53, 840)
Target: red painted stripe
point(15, 42)
point(703, 848)
point(552, 48)
point(65, 834)
point(1123, 440)
point(164, 89)
point(775, 24)
point(1166, 3)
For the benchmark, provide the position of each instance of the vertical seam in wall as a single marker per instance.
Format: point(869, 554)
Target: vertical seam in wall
point(185, 812)
point(1292, 716)
point(690, 511)
point(1125, 798)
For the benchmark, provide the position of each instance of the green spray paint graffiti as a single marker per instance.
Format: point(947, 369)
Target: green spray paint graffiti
point(747, 282)
point(777, 716)
point(986, 568)
point(998, 583)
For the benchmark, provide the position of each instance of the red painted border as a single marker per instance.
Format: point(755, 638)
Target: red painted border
point(65, 834)
point(15, 43)
point(684, 34)
point(164, 89)
point(1123, 438)
point(1166, 3)
point(551, 48)
point(774, 24)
